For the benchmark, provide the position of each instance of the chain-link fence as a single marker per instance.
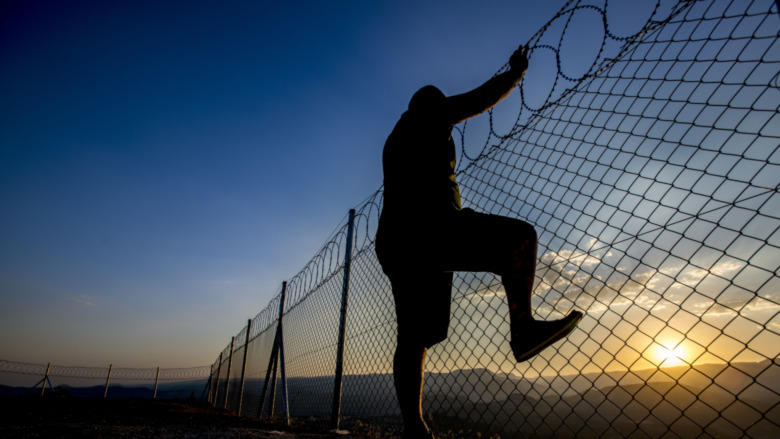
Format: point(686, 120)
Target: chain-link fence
point(26, 378)
point(644, 148)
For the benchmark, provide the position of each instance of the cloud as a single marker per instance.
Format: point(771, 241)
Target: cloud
point(608, 278)
point(84, 300)
point(486, 294)
point(727, 269)
point(763, 312)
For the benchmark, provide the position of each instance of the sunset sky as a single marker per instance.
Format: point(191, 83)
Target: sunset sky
point(164, 166)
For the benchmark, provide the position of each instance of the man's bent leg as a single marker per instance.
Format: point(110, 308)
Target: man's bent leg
point(518, 273)
point(501, 245)
point(507, 247)
point(528, 336)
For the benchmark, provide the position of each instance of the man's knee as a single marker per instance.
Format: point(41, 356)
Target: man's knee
point(523, 234)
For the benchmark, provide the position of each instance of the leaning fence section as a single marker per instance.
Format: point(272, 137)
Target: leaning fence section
point(31, 378)
point(644, 147)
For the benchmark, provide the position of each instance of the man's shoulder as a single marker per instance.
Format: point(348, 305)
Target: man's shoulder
point(419, 122)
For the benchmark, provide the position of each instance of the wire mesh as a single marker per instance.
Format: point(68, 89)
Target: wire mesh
point(24, 378)
point(119, 373)
point(645, 150)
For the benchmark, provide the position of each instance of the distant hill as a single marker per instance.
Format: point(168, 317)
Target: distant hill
point(714, 399)
point(177, 390)
point(717, 400)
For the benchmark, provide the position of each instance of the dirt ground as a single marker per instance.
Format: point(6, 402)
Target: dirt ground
point(35, 417)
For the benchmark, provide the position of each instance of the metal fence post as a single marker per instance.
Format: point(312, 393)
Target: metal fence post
point(271, 365)
point(230, 366)
point(277, 356)
point(156, 380)
point(335, 418)
point(216, 382)
point(280, 334)
point(272, 396)
point(108, 379)
point(207, 390)
point(45, 379)
point(243, 367)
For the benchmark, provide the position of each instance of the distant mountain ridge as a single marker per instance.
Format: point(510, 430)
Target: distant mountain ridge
point(689, 401)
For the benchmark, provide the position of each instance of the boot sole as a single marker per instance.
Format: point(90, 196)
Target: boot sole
point(563, 332)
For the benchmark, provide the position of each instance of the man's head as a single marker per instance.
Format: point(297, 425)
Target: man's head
point(428, 98)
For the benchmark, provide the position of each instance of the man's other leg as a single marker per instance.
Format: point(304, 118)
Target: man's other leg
point(408, 373)
point(422, 302)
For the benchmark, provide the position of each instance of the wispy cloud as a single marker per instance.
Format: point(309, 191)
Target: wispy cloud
point(84, 300)
point(571, 273)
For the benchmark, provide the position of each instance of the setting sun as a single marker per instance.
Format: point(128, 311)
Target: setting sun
point(669, 356)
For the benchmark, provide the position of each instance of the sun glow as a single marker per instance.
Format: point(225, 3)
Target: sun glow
point(670, 356)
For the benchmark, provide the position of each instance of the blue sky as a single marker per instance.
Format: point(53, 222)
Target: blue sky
point(164, 166)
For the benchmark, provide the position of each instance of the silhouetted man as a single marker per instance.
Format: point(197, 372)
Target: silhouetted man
point(424, 236)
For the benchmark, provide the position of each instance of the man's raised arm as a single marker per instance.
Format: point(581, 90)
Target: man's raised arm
point(463, 106)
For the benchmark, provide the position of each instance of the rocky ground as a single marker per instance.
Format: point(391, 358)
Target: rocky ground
point(51, 417)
